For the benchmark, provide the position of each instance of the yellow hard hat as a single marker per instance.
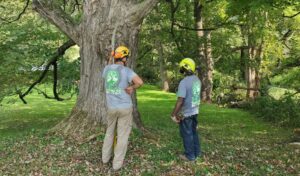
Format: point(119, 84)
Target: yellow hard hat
point(188, 64)
point(120, 52)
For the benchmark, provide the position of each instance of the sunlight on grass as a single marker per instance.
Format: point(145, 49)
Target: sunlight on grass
point(39, 114)
point(233, 141)
point(278, 92)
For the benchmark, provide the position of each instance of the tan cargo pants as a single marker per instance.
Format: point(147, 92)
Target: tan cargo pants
point(122, 119)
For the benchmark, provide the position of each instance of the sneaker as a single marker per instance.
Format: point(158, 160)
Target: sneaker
point(183, 157)
point(118, 166)
point(116, 169)
point(105, 162)
point(113, 171)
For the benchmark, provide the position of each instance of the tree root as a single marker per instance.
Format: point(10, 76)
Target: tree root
point(78, 126)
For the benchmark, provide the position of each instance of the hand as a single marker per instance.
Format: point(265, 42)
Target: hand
point(175, 119)
point(129, 90)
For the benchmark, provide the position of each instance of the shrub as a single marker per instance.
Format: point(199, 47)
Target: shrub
point(285, 111)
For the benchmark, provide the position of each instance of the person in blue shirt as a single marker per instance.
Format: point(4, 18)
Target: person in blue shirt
point(120, 82)
point(186, 110)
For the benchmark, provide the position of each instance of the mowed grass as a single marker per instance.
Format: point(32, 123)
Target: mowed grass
point(40, 114)
point(233, 142)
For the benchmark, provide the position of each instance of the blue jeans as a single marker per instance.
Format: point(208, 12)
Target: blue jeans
point(191, 142)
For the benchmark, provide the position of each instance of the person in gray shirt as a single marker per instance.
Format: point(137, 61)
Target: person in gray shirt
point(120, 82)
point(186, 110)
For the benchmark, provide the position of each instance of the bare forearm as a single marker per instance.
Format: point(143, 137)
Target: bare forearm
point(136, 86)
point(137, 82)
point(177, 107)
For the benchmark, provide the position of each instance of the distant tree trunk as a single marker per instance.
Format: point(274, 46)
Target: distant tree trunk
point(93, 35)
point(250, 78)
point(257, 70)
point(209, 68)
point(162, 69)
point(205, 56)
point(253, 54)
point(242, 63)
point(252, 71)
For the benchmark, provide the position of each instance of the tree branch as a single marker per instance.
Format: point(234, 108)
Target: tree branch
point(173, 11)
point(44, 93)
point(217, 26)
point(19, 15)
point(55, 76)
point(194, 29)
point(285, 66)
point(140, 10)
point(238, 48)
point(292, 16)
point(60, 51)
point(21, 97)
point(235, 87)
point(287, 34)
point(146, 52)
point(54, 13)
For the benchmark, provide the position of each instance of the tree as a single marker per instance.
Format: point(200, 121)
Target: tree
point(93, 35)
point(162, 67)
point(261, 25)
point(205, 53)
point(205, 17)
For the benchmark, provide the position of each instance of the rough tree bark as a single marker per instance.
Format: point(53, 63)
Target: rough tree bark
point(205, 56)
point(252, 55)
point(162, 69)
point(253, 58)
point(250, 73)
point(93, 35)
point(209, 67)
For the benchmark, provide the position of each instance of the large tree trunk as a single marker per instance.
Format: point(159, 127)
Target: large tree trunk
point(93, 35)
point(205, 56)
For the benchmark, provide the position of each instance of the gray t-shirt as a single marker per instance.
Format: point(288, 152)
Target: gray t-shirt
point(117, 78)
point(189, 89)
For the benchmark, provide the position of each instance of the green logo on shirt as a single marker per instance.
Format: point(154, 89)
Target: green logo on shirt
point(112, 82)
point(196, 94)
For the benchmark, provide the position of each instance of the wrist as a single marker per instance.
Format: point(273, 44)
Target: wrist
point(135, 86)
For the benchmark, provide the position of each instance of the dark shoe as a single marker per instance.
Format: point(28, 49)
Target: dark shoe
point(183, 157)
point(201, 154)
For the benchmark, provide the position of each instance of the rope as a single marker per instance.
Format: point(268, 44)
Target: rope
point(113, 41)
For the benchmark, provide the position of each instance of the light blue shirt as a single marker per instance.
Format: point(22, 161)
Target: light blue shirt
point(189, 89)
point(117, 78)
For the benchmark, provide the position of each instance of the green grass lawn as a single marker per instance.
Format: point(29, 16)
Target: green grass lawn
point(233, 142)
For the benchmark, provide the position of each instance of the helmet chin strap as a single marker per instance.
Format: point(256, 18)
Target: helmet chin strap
point(122, 60)
point(185, 72)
